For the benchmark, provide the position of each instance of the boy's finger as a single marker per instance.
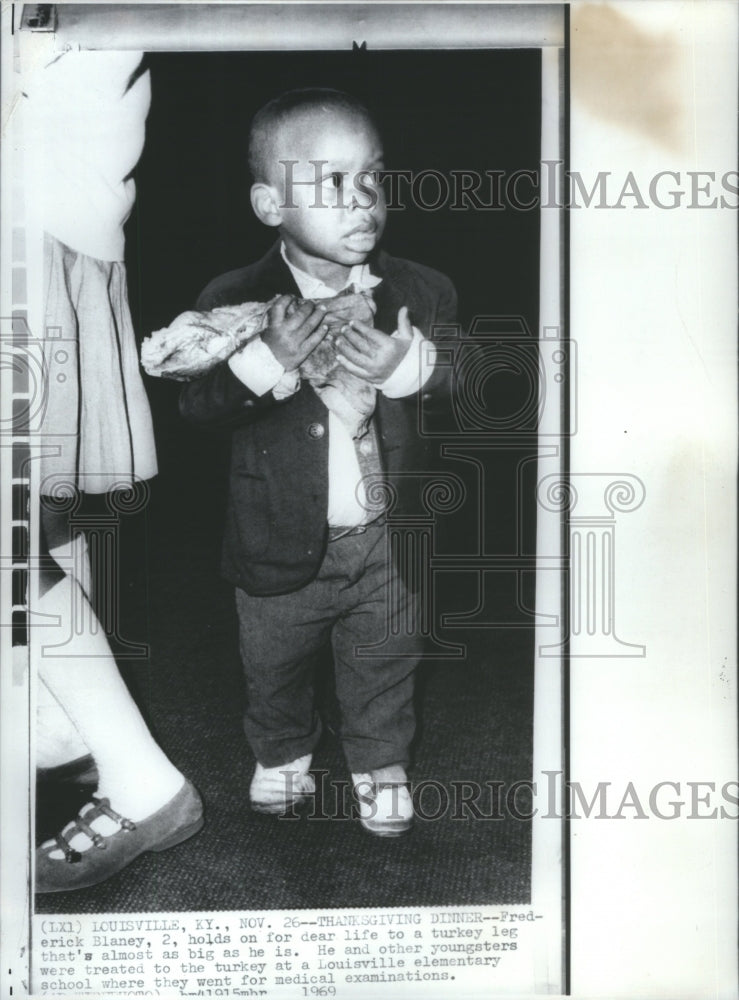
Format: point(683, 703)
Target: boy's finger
point(347, 350)
point(350, 366)
point(277, 311)
point(309, 322)
point(374, 338)
point(357, 340)
point(364, 328)
point(301, 313)
point(405, 330)
point(292, 318)
point(316, 336)
point(307, 312)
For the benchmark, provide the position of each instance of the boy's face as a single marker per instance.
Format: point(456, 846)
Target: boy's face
point(332, 210)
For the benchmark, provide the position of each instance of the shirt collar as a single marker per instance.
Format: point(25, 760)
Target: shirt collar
point(314, 288)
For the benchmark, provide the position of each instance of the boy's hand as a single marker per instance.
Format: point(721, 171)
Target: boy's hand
point(292, 338)
point(371, 354)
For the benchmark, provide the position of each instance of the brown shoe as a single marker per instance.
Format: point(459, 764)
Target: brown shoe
point(180, 818)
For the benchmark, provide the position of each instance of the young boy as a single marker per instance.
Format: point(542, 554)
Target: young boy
point(304, 547)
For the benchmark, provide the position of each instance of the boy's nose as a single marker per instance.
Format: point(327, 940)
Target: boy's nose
point(360, 194)
point(361, 202)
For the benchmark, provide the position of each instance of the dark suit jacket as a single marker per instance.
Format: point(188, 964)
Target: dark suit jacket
point(276, 530)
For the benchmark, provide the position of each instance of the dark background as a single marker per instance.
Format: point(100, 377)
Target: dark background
point(437, 110)
point(442, 110)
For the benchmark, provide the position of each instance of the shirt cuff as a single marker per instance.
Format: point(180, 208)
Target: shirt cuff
point(259, 370)
point(413, 371)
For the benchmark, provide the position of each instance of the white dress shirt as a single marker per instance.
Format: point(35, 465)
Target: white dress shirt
point(256, 366)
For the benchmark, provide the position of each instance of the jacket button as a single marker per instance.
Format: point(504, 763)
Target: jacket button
point(316, 430)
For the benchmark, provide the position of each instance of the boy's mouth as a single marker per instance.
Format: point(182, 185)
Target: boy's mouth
point(362, 237)
point(364, 229)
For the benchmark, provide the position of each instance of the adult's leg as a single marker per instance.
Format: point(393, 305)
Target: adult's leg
point(58, 741)
point(134, 773)
point(143, 803)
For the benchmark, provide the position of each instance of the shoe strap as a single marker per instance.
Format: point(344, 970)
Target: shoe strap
point(70, 855)
point(81, 824)
point(102, 808)
point(97, 838)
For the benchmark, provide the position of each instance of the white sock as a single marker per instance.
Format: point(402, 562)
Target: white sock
point(135, 774)
point(74, 559)
point(57, 739)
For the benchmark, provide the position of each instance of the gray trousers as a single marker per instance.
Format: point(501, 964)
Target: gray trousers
point(359, 606)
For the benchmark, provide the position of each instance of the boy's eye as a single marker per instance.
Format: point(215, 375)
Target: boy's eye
point(336, 179)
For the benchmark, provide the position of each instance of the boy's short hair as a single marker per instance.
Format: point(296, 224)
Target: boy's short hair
point(273, 115)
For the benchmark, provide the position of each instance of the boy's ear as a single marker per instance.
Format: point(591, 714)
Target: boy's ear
point(265, 200)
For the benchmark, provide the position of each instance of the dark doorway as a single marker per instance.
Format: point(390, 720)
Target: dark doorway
point(443, 111)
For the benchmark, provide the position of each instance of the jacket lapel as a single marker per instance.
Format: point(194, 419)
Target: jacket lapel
point(387, 298)
point(273, 276)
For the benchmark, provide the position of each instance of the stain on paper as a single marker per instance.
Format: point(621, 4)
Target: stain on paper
point(629, 76)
